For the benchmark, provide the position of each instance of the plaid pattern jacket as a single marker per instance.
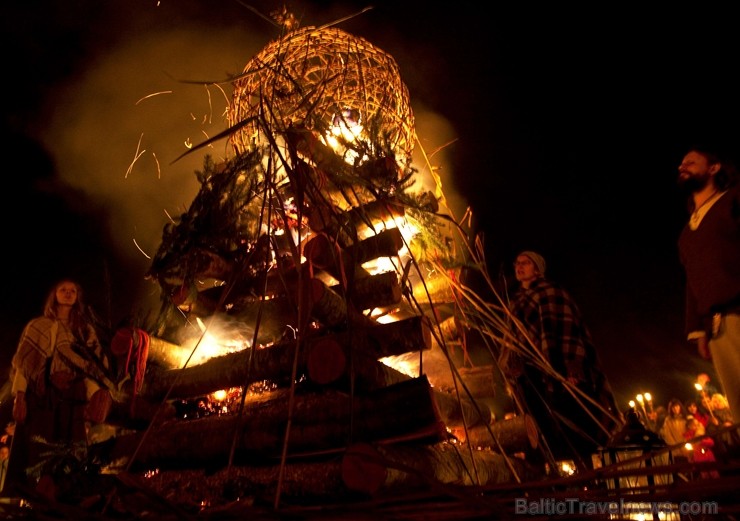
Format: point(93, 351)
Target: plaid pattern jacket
point(556, 328)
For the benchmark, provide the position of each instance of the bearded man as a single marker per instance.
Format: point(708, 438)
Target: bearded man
point(709, 249)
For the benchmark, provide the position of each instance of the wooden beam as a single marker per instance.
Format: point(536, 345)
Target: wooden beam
point(320, 422)
point(374, 469)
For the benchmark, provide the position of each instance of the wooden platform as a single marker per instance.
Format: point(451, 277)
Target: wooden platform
point(618, 491)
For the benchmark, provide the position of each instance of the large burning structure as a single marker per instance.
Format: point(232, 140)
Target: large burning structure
point(311, 344)
point(309, 334)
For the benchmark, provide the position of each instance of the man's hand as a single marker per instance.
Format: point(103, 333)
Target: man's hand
point(19, 408)
point(702, 344)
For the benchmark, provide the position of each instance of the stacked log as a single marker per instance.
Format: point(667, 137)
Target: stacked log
point(320, 422)
point(334, 406)
point(361, 470)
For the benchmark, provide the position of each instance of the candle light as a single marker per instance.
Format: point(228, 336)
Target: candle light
point(649, 398)
point(641, 400)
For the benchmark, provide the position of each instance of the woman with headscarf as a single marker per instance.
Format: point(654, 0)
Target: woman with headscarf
point(57, 371)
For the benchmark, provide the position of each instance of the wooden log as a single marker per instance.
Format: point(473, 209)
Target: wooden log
point(339, 480)
point(327, 219)
point(222, 372)
point(375, 291)
point(330, 307)
point(435, 363)
point(518, 434)
point(347, 226)
point(346, 263)
point(166, 354)
point(273, 363)
point(450, 329)
point(247, 292)
point(326, 304)
point(479, 381)
point(369, 291)
point(270, 317)
point(322, 360)
point(327, 361)
point(381, 405)
point(329, 355)
point(320, 422)
point(408, 335)
point(366, 373)
point(458, 410)
point(231, 297)
point(368, 216)
point(302, 481)
point(374, 469)
point(247, 289)
point(309, 184)
point(386, 243)
point(323, 253)
point(318, 489)
point(264, 321)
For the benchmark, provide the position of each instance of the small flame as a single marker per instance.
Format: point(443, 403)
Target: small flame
point(346, 129)
point(384, 264)
point(214, 340)
point(400, 365)
point(567, 468)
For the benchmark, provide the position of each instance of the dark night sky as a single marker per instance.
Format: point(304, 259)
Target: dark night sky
point(568, 127)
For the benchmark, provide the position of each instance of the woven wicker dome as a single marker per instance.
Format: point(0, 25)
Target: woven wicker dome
point(310, 76)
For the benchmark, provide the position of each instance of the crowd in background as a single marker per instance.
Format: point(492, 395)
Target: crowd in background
point(699, 429)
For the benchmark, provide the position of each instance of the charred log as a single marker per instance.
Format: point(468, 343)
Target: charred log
point(319, 422)
point(518, 434)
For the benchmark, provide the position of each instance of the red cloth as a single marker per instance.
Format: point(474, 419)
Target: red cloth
point(702, 452)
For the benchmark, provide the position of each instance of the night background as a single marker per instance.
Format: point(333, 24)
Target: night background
point(562, 128)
